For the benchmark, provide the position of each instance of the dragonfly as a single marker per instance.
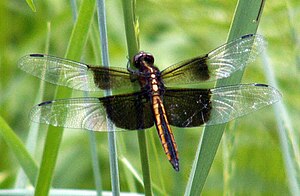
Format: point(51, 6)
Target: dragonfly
point(155, 98)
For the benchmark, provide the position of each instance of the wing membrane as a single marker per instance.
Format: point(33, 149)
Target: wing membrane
point(196, 107)
point(219, 63)
point(232, 102)
point(187, 107)
point(75, 75)
point(128, 112)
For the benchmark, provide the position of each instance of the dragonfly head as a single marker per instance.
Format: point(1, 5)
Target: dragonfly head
point(142, 58)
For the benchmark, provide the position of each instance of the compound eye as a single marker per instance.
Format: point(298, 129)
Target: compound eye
point(149, 59)
point(141, 58)
point(137, 59)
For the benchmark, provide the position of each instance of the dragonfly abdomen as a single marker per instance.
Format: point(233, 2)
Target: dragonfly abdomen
point(165, 132)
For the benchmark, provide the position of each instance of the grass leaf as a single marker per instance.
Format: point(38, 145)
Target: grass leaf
point(54, 135)
point(245, 21)
point(31, 5)
point(16, 145)
point(131, 27)
point(113, 156)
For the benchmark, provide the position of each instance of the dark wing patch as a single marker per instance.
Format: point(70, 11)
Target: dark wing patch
point(74, 74)
point(219, 63)
point(129, 112)
point(187, 107)
point(113, 78)
point(192, 70)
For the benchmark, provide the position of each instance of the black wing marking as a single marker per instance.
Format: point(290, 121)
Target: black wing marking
point(128, 112)
point(196, 107)
point(187, 107)
point(74, 74)
point(219, 63)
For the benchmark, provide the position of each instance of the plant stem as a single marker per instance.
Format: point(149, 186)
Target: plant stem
point(131, 27)
point(245, 21)
point(113, 157)
point(54, 135)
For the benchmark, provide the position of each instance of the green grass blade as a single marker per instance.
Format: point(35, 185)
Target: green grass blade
point(158, 167)
point(32, 137)
point(54, 135)
point(15, 144)
point(131, 27)
point(80, 32)
point(113, 156)
point(245, 21)
point(229, 160)
point(92, 136)
point(287, 135)
point(31, 5)
point(95, 162)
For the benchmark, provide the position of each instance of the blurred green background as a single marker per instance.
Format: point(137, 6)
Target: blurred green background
point(171, 31)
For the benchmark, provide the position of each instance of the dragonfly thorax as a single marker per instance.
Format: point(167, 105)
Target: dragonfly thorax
point(149, 75)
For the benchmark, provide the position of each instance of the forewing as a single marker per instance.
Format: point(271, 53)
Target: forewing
point(219, 63)
point(73, 74)
point(196, 107)
point(127, 112)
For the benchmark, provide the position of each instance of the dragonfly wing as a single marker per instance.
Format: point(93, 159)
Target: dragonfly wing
point(125, 111)
point(74, 74)
point(187, 107)
point(232, 102)
point(196, 107)
point(219, 63)
point(129, 111)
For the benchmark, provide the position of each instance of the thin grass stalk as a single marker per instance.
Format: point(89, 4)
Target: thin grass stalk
point(158, 167)
point(92, 135)
point(229, 151)
point(113, 157)
point(95, 163)
point(293, 21)
point(92, 139)
point(245, 21)
point(129, 172)
point(34, 127)
point(286, 133)
point(54, 135)
point(31, 5)
point(131, 28)
point(16, 145)
point(74, 9)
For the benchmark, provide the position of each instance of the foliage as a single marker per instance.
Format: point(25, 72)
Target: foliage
point(172, 31)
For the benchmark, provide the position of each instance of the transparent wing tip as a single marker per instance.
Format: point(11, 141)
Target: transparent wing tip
point(258, 45)
point(36, 112)
point(254, 45)
point(273, 94)
point(26, 63)
point(22, 62)
point(232, 102)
